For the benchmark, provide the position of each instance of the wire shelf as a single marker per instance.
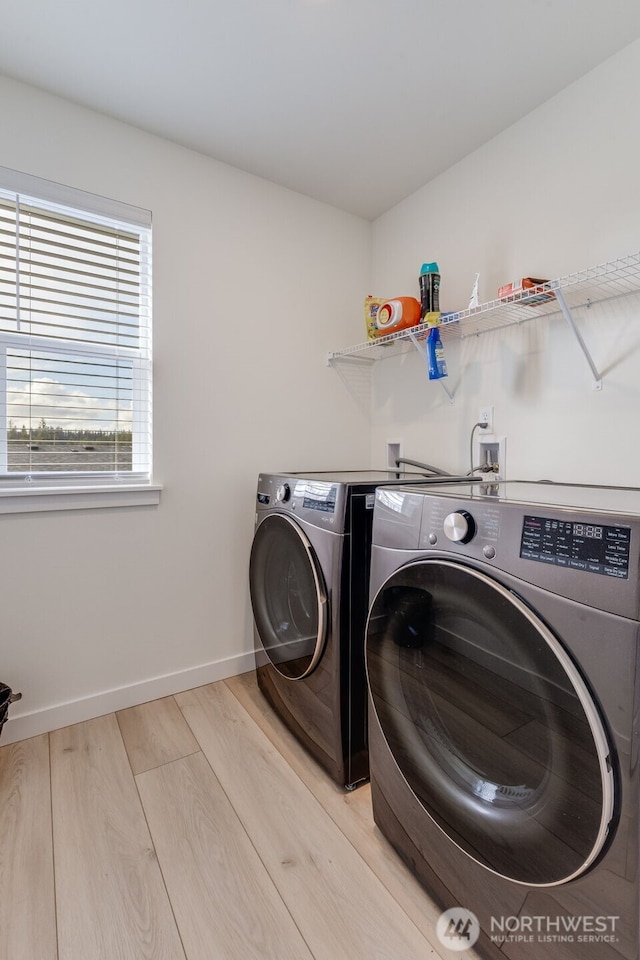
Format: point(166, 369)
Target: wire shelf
point(606, 281)
point(394, 343)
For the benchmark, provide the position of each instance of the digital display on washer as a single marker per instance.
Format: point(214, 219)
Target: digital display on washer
point(317, 495)
point(592, 547)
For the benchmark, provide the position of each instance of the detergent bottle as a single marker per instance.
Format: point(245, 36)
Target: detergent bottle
point(435, 355)
point(397, 314)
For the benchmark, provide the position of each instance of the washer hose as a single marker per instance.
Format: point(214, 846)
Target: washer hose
point(423, 466)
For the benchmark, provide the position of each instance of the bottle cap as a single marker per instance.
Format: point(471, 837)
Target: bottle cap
point(429, 268)
point(386, 313)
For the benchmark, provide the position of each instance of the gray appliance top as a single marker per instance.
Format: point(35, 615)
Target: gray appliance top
point(367, 477)
point(592, 497)
point(321, 497)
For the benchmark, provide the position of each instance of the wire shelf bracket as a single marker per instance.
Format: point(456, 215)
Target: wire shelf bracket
point(566, 313)
point(422, 350)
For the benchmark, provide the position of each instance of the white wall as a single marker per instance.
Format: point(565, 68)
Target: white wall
point(253, 285)
point(555, 193)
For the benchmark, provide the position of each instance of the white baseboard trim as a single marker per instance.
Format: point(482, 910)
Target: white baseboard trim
point(27, 725)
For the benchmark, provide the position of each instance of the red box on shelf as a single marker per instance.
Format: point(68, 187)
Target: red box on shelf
point(509, 290)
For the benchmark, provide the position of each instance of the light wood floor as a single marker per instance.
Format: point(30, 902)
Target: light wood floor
point(196, 828)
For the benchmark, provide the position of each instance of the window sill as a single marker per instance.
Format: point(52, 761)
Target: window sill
point(42, 499)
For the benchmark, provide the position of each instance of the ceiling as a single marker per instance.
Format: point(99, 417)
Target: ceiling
point(353, 102)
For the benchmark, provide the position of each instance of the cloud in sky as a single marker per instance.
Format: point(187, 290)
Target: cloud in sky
point(65, 405)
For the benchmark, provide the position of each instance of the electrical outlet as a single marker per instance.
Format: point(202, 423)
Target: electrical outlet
point(485, 415)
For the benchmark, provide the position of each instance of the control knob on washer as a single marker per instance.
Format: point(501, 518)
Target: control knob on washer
point(460, 526)
point(283, 493)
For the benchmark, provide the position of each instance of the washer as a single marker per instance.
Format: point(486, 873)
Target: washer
point(502, 659)
point(309, 575)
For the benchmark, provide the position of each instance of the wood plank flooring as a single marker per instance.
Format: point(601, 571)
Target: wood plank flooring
point(196, 828)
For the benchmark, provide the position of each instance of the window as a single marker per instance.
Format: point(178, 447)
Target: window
point(75, 338)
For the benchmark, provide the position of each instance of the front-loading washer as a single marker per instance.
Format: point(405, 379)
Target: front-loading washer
point(309, 578)
point(502, 657)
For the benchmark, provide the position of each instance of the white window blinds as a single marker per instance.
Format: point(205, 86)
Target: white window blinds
point(75, 337)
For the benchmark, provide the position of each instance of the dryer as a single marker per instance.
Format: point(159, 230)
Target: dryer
point(502, 654)
point(309, 577)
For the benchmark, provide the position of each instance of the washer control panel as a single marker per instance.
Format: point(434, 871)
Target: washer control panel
point(317, 496)
point(592, 547)
point(588, 553)
point(444, 520)
point(322, 503)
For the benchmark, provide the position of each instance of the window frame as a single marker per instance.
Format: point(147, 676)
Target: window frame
point(78, 489)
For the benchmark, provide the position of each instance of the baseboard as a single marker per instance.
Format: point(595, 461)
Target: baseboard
point(26, 725)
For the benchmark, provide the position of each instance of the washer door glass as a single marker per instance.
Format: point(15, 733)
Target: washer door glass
point(288, 597)
point(490, 722)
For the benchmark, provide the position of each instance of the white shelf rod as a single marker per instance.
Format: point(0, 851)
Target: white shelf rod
point(569, 318)
point(422, 350)
point(351, 357)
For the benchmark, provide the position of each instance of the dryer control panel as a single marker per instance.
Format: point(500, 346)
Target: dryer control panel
point(592, 547)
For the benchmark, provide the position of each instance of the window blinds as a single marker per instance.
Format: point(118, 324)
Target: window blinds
point(75, 341)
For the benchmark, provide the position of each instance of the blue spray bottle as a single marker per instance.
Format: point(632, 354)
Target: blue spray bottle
point(435, 355)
